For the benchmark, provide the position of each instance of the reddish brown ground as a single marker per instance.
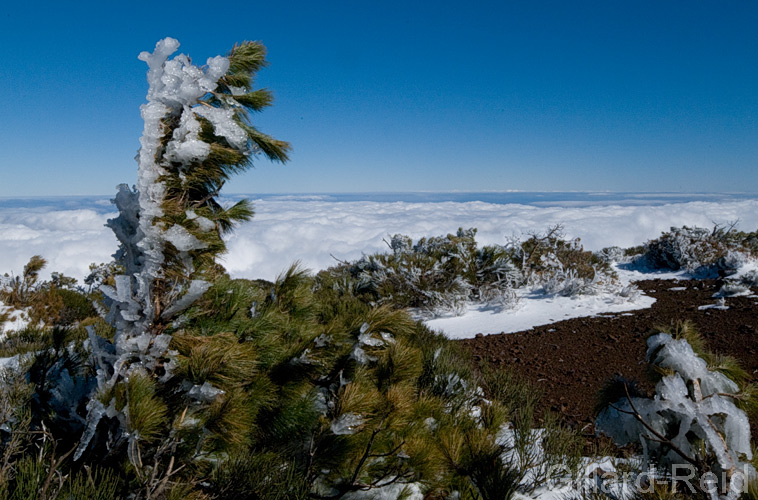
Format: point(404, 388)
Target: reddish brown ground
point(572, 359)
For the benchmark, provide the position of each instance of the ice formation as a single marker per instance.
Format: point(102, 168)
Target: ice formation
point(148, 239)
point(347, 423)
point(692, 404)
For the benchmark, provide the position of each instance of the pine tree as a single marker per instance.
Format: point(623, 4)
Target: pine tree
point(197, 135)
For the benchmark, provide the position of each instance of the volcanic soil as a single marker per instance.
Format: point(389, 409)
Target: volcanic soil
point(571, 360)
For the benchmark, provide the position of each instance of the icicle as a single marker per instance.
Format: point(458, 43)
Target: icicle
point(196, 289)
point(95, 411)
point(205, 393)
point(347, 423)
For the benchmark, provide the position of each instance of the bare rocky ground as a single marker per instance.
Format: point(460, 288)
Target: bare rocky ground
point(571, 360)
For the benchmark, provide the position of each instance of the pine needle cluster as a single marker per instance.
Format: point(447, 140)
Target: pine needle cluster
point(293, 388)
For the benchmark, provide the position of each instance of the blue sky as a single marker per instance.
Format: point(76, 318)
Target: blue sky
point(403, 95)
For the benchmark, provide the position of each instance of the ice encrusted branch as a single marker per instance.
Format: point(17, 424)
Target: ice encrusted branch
point(174, 99)
point(692, 404)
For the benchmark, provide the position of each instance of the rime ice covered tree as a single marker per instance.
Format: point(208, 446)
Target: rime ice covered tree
point(197, 134)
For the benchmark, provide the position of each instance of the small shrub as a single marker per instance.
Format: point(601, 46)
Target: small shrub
point(700, 251)
point(562, 267)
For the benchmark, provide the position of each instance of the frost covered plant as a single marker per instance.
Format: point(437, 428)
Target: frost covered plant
point(750, 278)
point(442, 275)
point(722, 249)
point(692, 424)
point(170, 226)
point(42, 304)
point(560, 266)
point(610, 255)
point(685, 248)
point(437, 275)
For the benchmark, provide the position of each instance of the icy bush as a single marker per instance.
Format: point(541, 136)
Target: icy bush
point(721, 250)
point(438, 275)
point(442, 276)
point(750, 278)
point(691, 422)
point(732, 289)
point(556, 280)
point(559, 266)
point(609, 255)
point(692, 249)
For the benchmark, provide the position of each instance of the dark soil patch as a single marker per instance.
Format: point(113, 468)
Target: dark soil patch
point(571, 360)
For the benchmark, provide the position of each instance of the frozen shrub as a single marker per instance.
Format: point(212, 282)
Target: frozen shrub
point(698, 250)
point(611, 255)
point(750, 278)
point(732, 289)
point(693, 423)
point(732, 262)
point(437, 275)
point(561, 266)
point(442, 275)
point(685, 248)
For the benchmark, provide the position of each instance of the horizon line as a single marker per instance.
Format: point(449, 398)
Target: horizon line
point(401, 192)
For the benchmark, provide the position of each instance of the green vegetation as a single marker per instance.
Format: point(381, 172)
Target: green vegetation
point(293, 388)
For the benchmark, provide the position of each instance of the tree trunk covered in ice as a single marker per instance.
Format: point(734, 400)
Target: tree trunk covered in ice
point(170, 225)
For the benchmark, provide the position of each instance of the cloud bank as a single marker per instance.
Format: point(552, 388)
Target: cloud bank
point(316, 232)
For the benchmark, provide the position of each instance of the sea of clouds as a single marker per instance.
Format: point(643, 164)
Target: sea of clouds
point(317, 231)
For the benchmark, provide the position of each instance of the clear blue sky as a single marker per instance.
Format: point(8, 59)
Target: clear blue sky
point(403, 95)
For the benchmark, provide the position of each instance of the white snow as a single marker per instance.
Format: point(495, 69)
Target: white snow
point(719, 305)
point(533, 310)
point(17, 321)
point(224, 125)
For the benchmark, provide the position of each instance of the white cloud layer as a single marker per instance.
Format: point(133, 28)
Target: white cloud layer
point(68, 239)
point(315, 232)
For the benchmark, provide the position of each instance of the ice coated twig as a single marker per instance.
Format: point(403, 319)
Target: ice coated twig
point(693, 401)
point(661, 438)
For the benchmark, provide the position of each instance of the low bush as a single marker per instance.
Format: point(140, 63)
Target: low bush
point(700, 251)
point(442, 275)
